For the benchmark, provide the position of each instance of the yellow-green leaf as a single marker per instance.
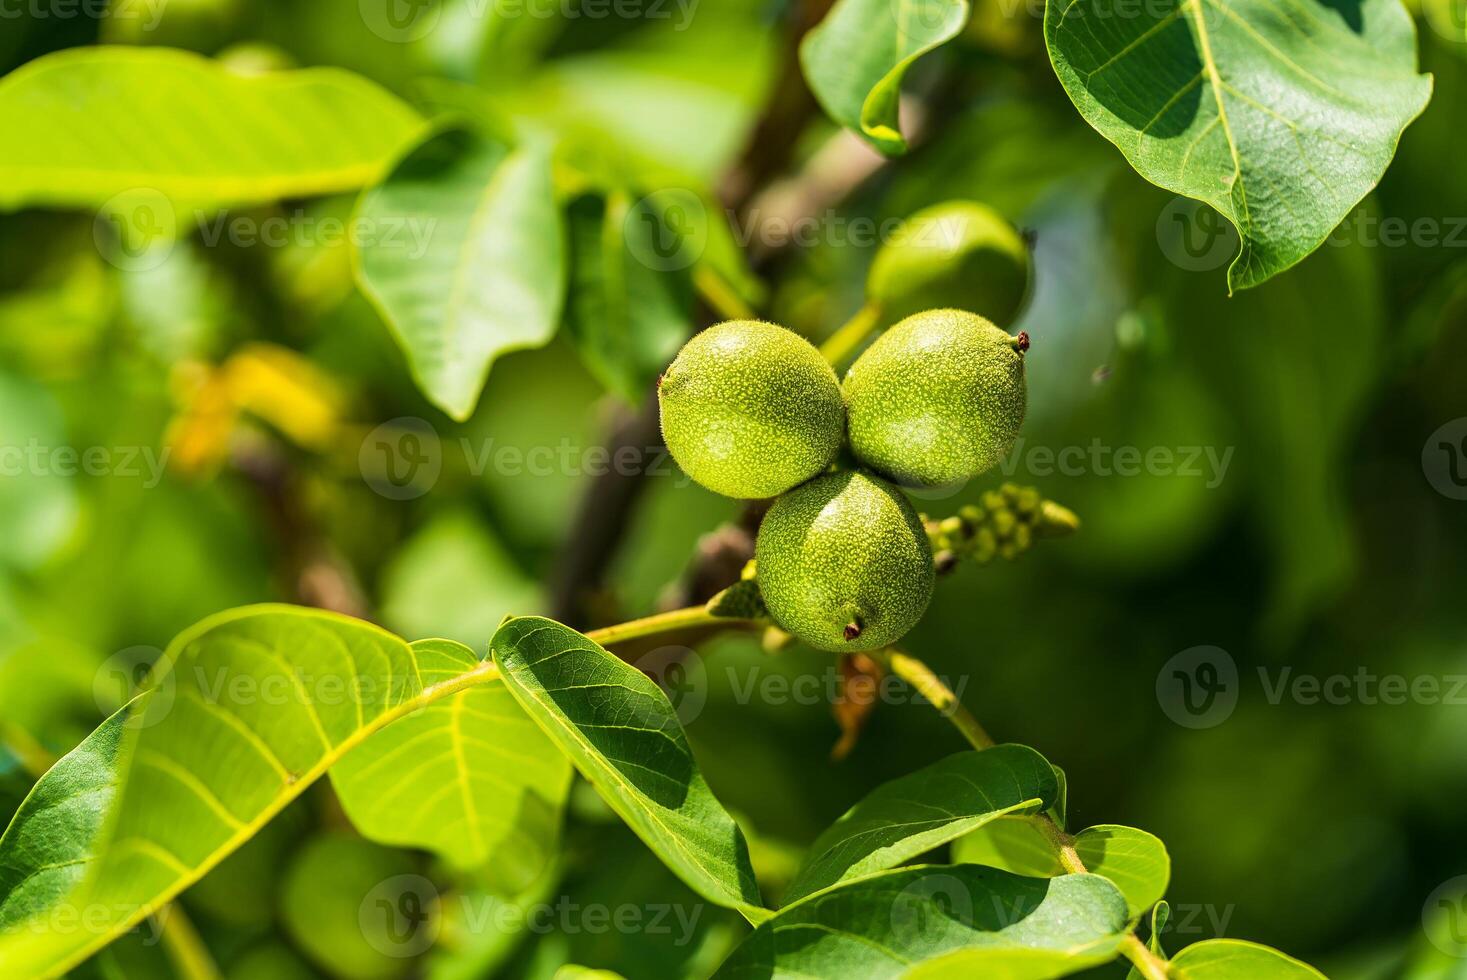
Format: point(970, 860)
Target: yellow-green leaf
point(469, 777)
point(82, 126)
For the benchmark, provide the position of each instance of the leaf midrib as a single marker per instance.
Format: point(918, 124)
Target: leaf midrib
point(1215, 82)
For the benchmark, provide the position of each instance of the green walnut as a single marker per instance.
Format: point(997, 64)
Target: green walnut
point(750, 409)
point(960, 254)
point(844, 562)
point(936, 399)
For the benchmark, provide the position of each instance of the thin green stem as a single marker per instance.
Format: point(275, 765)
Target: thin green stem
point(921, 677)
point(186, 950)
point(839, 346)
point(1147, 963)
point(714, 290)
point(931, 687)
point(668, 622)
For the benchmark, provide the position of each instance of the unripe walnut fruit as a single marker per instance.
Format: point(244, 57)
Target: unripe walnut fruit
point(960, 254)
point(750, 409)
point(937, 399)
point(844, 563)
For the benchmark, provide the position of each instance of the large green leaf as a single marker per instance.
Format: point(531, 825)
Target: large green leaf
point(883, 926)
point(462, 250)
point(917, 812)
point(247, 709)
point(1134, 861)
point(81, 126)
point(631, 292)
point(1234, 959)
point(46, 849)
point(856, 58)
point(623, 735)
point(1281, 116)
point(470, 777)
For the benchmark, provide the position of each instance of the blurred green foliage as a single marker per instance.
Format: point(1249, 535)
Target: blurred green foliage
point(1310, 541)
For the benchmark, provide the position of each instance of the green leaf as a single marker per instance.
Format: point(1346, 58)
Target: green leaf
point(470, 777)
point(908, 816)
point(1282, 117)
point(46, 849)
point(1234, 959)
point(856, 57)
point(623, 735)
point(476, 267)
point(884, 926)
point(81, 126)
point(1134, 861)
point(631, 293)
point(245, 711)
point(1013, 964)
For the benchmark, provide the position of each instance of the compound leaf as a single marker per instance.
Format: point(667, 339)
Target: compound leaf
point(244, 711)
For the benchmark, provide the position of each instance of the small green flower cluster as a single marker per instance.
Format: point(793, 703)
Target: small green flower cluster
point(1004, 525)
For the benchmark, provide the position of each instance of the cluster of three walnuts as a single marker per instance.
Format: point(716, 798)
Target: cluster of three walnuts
point(752, 410)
